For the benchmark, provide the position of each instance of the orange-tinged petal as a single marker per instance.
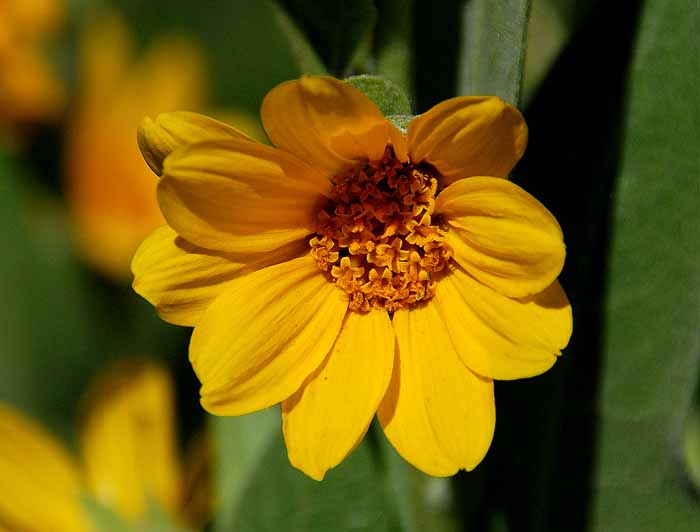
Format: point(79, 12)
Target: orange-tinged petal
point(257, 343)
point(437, 414)
point(35, 18)
point(499, 337)
point(239, 196)
point(501, 235)
point(128, 440)
point(105, 51)
point(111, 192)
point(468, 136)
point(329, 415)
point(39, 482)
point(30, 89)
point(160, 137)
point(172, 74)
point(181, 280)
point(327, 123)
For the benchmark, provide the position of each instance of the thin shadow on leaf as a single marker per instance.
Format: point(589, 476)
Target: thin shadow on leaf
point(539, 472)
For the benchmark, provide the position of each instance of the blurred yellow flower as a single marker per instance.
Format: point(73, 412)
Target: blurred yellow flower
point(356, 269)
point(109, 188)
point(129, 455)
point(30, 91)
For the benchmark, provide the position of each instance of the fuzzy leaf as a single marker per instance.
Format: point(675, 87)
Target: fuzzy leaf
point(387, 95)
point(493, 48)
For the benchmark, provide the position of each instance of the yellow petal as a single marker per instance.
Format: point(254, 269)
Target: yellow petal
point(39, 483)
point(329, 415)
point(501, 235)
point(468, 136)
point(181, 280)
point(128, 440)
point(327, 123)
point(257, 343)
point(437, 414)
point(499, 337)
point(169, 131)
point(239, 196)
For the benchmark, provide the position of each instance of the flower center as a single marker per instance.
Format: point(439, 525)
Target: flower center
point(377, 237)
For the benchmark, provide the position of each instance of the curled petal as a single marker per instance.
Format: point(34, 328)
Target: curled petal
point(258, 342)
point(169, 131)
point(468, 136)
point(328, 123)
point(437, 414)
point(501, 235)
point(329, 415)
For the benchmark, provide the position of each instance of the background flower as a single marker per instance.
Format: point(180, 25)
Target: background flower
point(31, 90)
point(129, 457)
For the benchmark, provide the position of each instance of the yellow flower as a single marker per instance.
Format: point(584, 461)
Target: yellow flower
point(109, 188)
point(129, 457)
point(356, 269)
point(30, 91)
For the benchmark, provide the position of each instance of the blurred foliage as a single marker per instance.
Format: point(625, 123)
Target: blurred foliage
point(613, 107)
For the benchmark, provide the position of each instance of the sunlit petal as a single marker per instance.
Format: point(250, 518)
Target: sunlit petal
point(239, 196)
point(258, 342)
point(437, 414)
point(468, 136)
point(331, 412)
point(327, 123)
point(501, 235)
point(181, 280)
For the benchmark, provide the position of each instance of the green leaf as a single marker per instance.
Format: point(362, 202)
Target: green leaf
point(241, 443)
point(307, 59)
point(393, 39)
point(387, 95)
point(337, 29)
point(105, 520)
point(493, 48)
point(552, 24)
point(352, 497)
point(246, 51)
point(691, 446)
point(652, 310)
point(102, 518)
point(48, 333)
point(423, 502)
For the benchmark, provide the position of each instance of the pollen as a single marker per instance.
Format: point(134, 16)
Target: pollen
point(377, 238)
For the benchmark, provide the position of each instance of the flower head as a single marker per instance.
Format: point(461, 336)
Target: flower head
point(356, 269)
point(129, 453)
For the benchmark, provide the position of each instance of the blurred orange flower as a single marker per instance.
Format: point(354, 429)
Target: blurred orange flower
point(129, 458)
point(30, 91)
point(110, 189)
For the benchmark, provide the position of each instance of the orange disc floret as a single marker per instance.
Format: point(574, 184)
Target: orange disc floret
point(377, 237)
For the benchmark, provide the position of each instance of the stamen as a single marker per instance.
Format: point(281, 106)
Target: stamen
point(378, 239)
